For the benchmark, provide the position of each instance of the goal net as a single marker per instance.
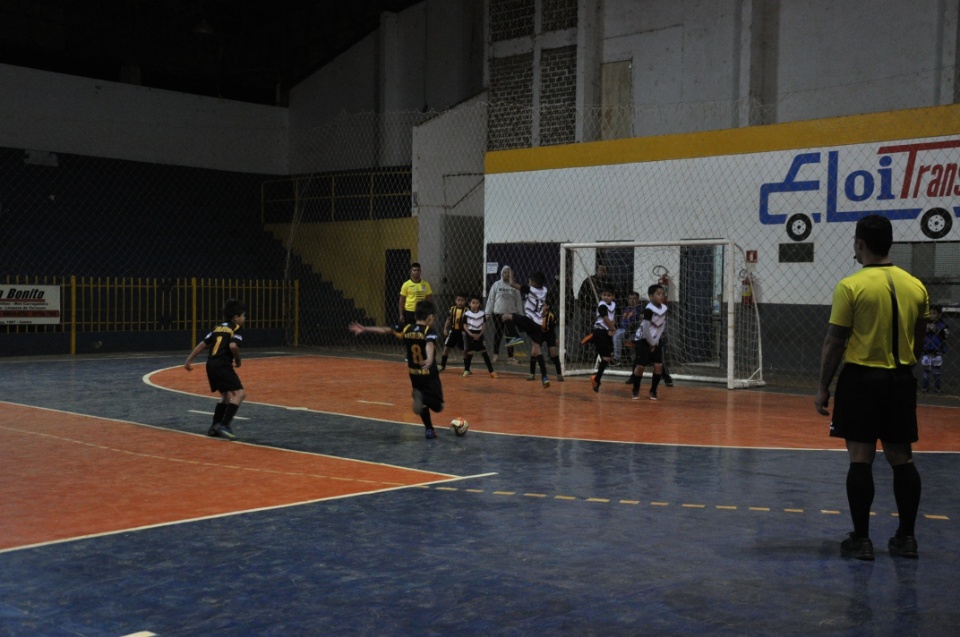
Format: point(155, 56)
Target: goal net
point(713, 327)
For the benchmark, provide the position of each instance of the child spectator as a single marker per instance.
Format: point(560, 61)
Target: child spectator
point(934, 347)
point(627, 325)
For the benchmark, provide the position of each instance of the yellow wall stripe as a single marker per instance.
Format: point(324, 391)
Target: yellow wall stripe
point(914, 123)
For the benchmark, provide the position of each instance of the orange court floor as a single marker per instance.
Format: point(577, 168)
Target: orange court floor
point(509, 404)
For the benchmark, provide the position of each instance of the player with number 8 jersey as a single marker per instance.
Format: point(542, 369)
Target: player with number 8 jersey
point(420, 342)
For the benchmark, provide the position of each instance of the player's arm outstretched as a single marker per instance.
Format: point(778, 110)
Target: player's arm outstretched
point(358, 329)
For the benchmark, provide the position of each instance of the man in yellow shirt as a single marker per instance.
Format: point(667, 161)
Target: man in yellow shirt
point(411, 293)
point(876, 328)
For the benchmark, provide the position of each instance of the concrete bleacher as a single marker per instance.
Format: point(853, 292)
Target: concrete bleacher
point(96, 217)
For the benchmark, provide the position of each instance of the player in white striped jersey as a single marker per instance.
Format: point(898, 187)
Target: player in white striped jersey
point(474, 326)
point(602, 337)
point(647, 341)
point(534, 295)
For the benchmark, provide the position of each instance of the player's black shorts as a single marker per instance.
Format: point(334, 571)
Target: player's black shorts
point(602, 342)
point(471, 344)
point(432, 390)
point(525, 324)
point(643, 357)
point(872, 403)
point(549, 339)
point(454, 340)
point(222, 375)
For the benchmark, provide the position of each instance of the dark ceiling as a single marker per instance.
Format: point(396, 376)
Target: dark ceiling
point(250, 51)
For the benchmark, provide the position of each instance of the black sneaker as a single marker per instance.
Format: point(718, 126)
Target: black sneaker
point(212, 431)
point(653, 395)
point(224, 431)
point(668, 382)
point(431, 434)
point(905, 546)
point(861, 549)
point(417, 401)
point(595, 383)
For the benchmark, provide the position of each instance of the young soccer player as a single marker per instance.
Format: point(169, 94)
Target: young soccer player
point(934, 347)
point(453, 330)
point(224, 343)
point(534, 295)
point(549, 328)
point(420, 341)
point(603, 330)
point(475, 324)
point(647, 341)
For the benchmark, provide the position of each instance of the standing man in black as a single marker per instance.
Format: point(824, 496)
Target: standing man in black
point(876, 328)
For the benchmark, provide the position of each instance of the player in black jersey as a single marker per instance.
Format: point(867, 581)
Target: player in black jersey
point(420, 341)
point(224, 343)
point(453, 329)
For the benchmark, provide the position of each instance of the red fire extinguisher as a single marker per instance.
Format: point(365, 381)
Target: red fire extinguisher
point(746, 292)
point(664, 278)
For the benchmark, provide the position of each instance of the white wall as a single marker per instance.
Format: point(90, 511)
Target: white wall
point(693, 59)
point(843, 58)
point(425, 58)
point(448, 174)
point(67, 114)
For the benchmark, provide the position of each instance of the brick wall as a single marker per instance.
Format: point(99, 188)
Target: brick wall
point(558, 15)
point(511, 19)
point(558, 95)
point(510, 114)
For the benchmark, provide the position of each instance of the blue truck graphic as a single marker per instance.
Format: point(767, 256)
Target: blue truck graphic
point(915, 183)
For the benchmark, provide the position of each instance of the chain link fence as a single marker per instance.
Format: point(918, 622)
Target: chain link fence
point(370, 194)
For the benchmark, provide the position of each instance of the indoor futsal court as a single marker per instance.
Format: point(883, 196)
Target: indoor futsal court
point(561, 512)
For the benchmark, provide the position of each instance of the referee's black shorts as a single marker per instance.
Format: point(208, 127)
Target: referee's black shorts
point(874, 403)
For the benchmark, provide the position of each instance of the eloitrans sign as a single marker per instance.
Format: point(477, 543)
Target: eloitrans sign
point(30, 304)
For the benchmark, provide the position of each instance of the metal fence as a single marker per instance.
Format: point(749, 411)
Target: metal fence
point(114, 304)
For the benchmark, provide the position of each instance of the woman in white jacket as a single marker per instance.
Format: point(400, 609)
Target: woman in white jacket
point(504, 299)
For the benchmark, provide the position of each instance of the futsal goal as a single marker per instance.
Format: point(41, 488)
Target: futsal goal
point(713, 325)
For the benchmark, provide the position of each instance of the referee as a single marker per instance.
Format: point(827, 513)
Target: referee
point(876, 328)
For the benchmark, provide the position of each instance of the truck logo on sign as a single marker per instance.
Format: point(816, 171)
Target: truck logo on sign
point(914, 188)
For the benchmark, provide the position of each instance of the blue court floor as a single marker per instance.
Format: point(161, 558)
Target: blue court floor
point(538, 536)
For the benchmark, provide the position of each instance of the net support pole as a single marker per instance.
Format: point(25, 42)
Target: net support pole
point(563, 308)
point(729, 286)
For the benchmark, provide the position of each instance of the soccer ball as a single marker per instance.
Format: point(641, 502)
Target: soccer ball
point(459, 426)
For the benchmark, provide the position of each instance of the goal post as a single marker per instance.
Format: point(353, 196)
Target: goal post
point(713, 326)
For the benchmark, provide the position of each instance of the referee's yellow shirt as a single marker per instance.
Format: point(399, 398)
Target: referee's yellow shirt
point(862, 302)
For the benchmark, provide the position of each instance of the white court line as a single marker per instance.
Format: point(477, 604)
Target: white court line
point(142, 633)
point(374, 402)
point(276, 507)
point(210, 413)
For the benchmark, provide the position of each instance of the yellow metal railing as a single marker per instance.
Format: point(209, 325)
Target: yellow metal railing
point(113, 304)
